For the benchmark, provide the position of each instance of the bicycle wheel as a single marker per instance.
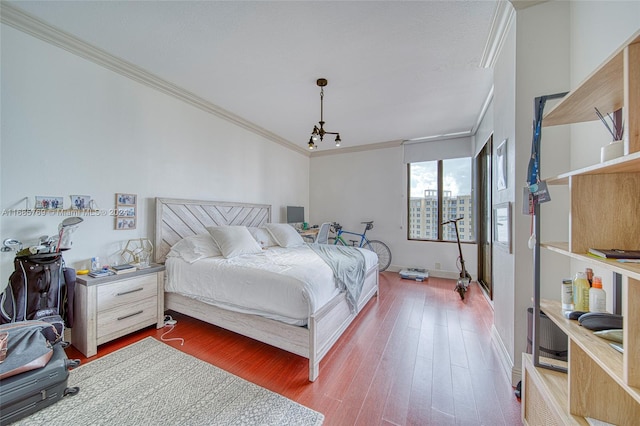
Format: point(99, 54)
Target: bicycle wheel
point(383, 252)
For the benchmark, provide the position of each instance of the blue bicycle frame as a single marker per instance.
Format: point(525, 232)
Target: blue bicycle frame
point(339, 238)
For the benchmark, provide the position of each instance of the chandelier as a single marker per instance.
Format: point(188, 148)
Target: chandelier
point(319, 132)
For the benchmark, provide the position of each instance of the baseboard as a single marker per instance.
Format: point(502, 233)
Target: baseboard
point(505, 359)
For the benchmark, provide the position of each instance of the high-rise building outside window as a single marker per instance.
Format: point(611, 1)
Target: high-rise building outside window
point(441, 190)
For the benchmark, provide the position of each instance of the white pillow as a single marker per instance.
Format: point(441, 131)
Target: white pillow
point(262, 236)
point(194, 248)
point(284, 234)
point(234, 240)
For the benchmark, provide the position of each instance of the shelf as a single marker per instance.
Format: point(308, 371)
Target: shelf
point(629, 269)
point(553, 386)
point(595, 347)
point(603, 89)
point(625, 164)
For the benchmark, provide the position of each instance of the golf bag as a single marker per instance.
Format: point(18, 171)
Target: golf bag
point(40, 282)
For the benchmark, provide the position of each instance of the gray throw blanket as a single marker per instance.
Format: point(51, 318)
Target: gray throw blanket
point(348, 267)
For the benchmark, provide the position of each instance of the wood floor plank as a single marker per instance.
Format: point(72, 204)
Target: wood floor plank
point(442, 385)
point(394, 361)
point(396, 406)
point(464, 398)
point(419, 404)
point(358, 391)
point(416, 355)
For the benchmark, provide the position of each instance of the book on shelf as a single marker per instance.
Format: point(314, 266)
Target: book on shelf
point(123, 269)
point(615, 253)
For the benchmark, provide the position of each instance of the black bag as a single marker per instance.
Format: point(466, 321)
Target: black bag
point(39, 282)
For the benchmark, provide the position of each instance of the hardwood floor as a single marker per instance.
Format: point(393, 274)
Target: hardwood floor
point(416, 355)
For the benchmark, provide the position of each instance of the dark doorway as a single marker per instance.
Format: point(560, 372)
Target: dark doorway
point(484, 167)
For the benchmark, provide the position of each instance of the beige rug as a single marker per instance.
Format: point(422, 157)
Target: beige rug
point(150, 383)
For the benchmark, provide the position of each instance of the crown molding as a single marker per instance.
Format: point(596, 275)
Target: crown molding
point(502, 17)
point(483, 111)
point(357, 148)
point(28, 24)
point(523, 4)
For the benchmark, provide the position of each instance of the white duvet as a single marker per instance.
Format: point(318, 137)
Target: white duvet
point(285, 284)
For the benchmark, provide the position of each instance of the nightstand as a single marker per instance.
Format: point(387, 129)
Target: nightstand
point(110, 307)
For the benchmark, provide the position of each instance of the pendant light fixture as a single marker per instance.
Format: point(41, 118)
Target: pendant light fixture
point(318, 132)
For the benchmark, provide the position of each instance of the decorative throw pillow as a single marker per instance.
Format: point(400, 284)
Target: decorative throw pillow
point(284, 234)
point(234, 240)
point(194, 248)
point(262, 236)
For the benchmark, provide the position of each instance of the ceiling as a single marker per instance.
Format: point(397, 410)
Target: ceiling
point(396, 70)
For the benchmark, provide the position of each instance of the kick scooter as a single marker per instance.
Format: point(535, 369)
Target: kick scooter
point(465, 278)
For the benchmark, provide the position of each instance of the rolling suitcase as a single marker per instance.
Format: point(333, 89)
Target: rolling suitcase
point(31, 391)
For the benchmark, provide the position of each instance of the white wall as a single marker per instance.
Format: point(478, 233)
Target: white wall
point(70, 126)
point(503, 279)
point(350, 188)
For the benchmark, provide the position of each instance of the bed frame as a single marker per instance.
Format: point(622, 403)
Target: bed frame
point(177, 219)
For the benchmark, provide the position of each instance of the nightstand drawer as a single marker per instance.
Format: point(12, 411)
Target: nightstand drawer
point(112, 323)
point(126, 292)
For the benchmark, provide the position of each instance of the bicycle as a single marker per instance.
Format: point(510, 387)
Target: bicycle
point(376, 246)
point(465, 277)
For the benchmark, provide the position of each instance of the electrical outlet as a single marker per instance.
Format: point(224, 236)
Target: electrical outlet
point(438, 265)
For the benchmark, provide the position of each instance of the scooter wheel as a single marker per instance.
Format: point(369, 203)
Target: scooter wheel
point(461, 290)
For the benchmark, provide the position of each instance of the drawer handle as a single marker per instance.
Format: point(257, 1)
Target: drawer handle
point(130, 315)
point(129, 292)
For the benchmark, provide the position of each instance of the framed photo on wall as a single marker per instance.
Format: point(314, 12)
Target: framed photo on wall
point(126, 211)
point(46, 202)
point(501, 166)
point(502, 226)
point(80, 202)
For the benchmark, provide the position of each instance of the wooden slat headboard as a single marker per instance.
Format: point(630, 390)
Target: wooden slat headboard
point(177, 219)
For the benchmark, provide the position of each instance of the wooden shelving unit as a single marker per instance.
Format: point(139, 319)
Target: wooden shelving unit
point(601, 383)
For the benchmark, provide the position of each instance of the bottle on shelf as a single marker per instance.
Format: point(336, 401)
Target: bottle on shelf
point(597, 296)
point(590, 276)
point(581, 292)
point(567, 294)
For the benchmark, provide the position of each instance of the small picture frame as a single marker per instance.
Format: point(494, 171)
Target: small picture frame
point(502, 226)
point(46, 202)
point(80, 202)
point(126, 199)
point(126, 211)
point(125, 223)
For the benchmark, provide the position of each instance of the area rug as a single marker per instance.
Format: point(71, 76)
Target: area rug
point(151, 383)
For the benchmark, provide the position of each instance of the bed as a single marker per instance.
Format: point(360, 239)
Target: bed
point(311, 337)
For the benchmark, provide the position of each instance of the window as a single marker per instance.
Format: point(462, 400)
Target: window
point(440, 190)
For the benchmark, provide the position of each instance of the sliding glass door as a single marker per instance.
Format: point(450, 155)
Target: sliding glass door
point(484, 164)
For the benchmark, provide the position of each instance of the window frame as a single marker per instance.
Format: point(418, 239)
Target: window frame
point(440, 203)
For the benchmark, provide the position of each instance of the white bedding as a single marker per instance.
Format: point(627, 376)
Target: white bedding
point(285, 284)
